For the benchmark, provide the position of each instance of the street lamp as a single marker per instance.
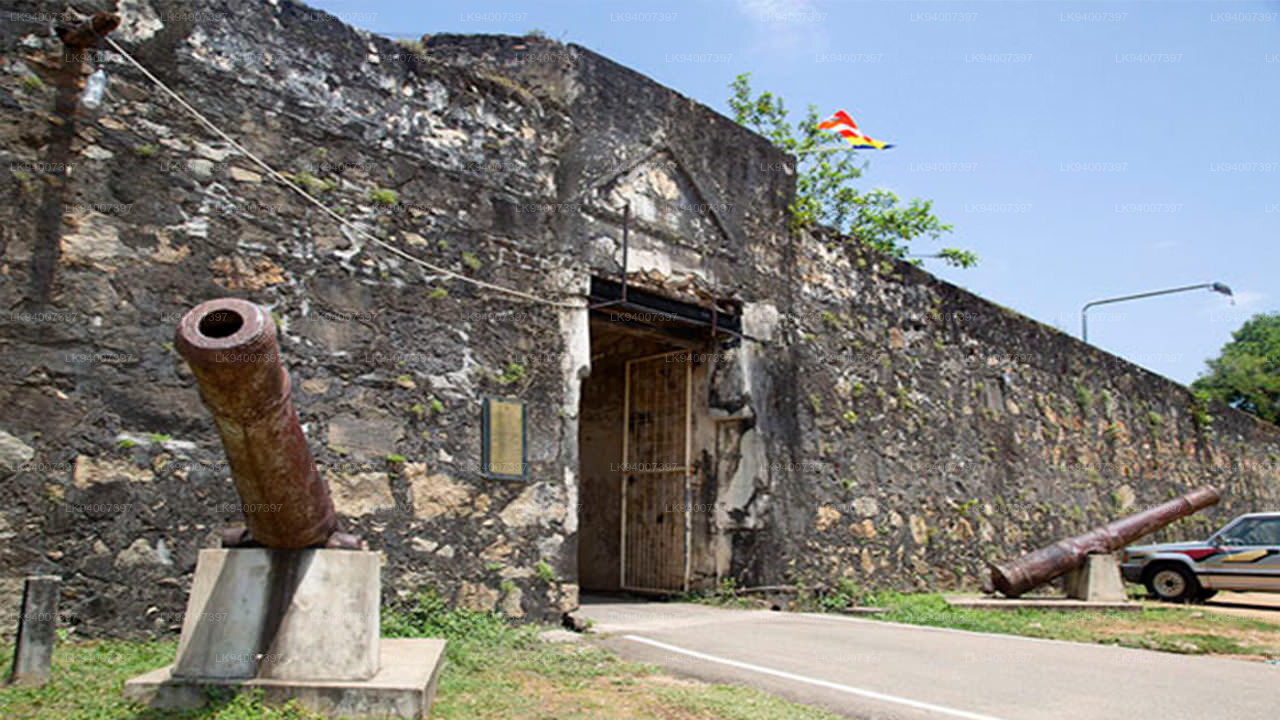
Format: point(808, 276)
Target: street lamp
point(1084, 317)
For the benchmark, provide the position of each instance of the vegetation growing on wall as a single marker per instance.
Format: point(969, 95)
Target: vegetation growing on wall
point(825, 171)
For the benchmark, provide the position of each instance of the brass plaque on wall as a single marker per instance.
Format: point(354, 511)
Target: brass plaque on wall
point(505, 437)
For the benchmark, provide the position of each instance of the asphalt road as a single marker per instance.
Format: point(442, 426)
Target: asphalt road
point(870, 669)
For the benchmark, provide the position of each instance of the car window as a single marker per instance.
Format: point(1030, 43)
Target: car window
point(1261, 531)
point(1234, 535)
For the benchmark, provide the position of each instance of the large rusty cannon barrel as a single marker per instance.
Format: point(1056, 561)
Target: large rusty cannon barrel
point(1047, 563)
point(230, 345)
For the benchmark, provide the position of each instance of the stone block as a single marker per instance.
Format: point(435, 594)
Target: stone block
point(372, 434)
point(33, 651)
point(359, 494)
point(14, 454)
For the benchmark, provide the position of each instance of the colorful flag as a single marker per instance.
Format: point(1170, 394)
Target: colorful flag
point(848, 130)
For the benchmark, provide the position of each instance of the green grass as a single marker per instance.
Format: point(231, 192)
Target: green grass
point(726, 594)
point(1178, 630)
point(737, 703)
point(493, 670)
point(88, 677)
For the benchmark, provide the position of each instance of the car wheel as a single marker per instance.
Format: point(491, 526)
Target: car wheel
point(1172, 583)
point(1205, 595)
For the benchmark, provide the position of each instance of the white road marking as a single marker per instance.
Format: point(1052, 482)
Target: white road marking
point(871, 694)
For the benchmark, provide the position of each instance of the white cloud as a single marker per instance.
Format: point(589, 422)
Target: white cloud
point(780, 11)
point(790, 24)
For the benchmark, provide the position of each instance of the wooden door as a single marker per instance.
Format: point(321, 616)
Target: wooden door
point(656, 459)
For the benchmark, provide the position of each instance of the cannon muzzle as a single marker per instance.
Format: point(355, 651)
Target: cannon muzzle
point(230, 345)
point(1037, 568)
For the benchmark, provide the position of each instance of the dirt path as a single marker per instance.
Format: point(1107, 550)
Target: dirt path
point(1259, 606)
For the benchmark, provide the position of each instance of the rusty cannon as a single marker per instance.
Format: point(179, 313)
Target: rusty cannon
point(287, 605)
point(230, 346)
point(1048, 563)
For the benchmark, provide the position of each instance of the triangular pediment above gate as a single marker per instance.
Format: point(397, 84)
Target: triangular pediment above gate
point(665, 200)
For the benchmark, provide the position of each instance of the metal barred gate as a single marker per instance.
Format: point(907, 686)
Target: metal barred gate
point(656, 463)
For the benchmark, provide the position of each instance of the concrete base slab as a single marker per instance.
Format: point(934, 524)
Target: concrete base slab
point(860, 610)
point(404, 686)
point(993, 602)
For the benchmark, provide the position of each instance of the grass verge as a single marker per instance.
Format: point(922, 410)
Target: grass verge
point(1178, 630)
point(1188, 631)
point(494, 670)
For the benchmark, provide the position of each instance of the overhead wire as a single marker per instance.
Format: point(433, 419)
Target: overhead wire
point(284, 180)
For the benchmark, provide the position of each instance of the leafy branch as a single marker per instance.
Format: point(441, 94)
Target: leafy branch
point(825, 171)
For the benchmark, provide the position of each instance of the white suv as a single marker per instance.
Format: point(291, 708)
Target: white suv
point(1244, 555)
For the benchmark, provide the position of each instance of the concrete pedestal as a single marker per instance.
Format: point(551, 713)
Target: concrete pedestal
point(294, 624)
point(1098, 580)
point(301, 615)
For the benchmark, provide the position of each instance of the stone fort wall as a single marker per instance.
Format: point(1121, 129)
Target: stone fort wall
point(900, 430)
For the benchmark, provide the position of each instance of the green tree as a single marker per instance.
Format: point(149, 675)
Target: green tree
point(1246, 375)
point(825, 169)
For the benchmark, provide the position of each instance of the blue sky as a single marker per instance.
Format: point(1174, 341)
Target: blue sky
point(1082, 149)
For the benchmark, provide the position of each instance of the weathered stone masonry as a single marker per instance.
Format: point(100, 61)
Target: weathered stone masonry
point(941, 431)
point(881, 424)
point(512, 181)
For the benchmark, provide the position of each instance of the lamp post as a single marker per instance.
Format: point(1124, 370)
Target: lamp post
point(1084, 311)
